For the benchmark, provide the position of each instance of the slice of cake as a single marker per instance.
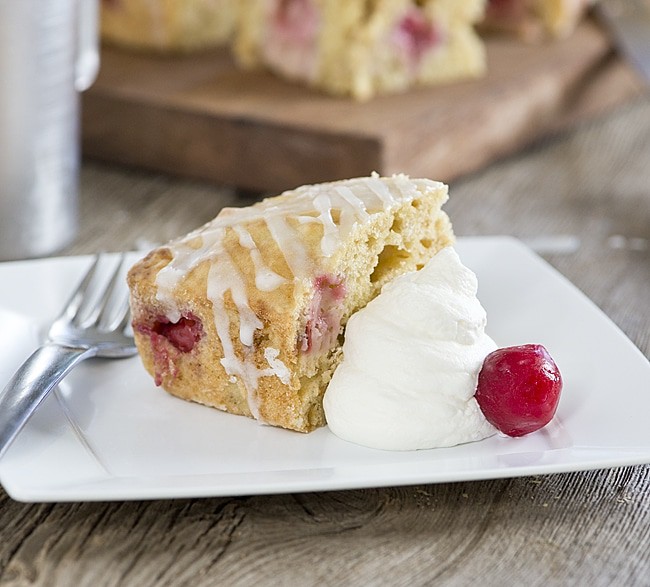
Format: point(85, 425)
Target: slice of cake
point(362, 47)
point(534, 20)
point(167, 25)
point(246, 314)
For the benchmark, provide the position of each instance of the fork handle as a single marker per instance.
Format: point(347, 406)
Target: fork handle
point(31, 384)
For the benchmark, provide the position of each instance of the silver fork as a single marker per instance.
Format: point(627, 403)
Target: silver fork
point(92, 324)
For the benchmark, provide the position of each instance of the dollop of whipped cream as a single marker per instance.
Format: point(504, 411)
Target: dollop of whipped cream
point(411, 360)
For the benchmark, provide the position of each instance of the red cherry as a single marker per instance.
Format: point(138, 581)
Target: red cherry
point(519, 389)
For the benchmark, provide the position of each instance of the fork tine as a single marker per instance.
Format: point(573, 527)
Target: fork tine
point(71, 309)
point(121, 313)
point(124, 314)
point(100, 313)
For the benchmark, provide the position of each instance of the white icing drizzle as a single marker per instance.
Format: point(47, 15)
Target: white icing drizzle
point(290, 245)
point(358, 206)
point(223, 277)
point(185, 258)
point(405, 186)
point(352, 209)
point(277, 367)
point(379, 188)
point(355, 201)
point(265, 278)
point(330, 239)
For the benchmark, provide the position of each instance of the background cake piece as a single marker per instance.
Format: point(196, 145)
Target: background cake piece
point(535, 20)
point(167, 25)
point(246, 314)
point(362, 47)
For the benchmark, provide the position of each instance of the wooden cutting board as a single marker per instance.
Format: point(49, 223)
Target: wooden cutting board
point(199, 116)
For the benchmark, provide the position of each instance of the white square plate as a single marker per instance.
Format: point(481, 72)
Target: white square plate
point(108, 433)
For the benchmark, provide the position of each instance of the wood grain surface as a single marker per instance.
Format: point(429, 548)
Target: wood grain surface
point(591, 188)
point(202, 117)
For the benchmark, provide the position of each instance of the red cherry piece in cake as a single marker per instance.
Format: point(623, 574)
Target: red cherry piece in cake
point(167, 339)
point(324, 315)
point(519, 389)
point(416, 35)
point(183, 334)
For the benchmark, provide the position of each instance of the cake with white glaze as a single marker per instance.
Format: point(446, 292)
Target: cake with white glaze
point(247, 313)
point(362, 47)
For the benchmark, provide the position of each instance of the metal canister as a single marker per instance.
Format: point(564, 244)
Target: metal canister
point(48, 54)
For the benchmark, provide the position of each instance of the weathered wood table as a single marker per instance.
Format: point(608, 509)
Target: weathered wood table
point(591, 187)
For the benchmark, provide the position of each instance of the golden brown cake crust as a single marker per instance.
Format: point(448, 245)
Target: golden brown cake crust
point(167, 25)
point(259, 297)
